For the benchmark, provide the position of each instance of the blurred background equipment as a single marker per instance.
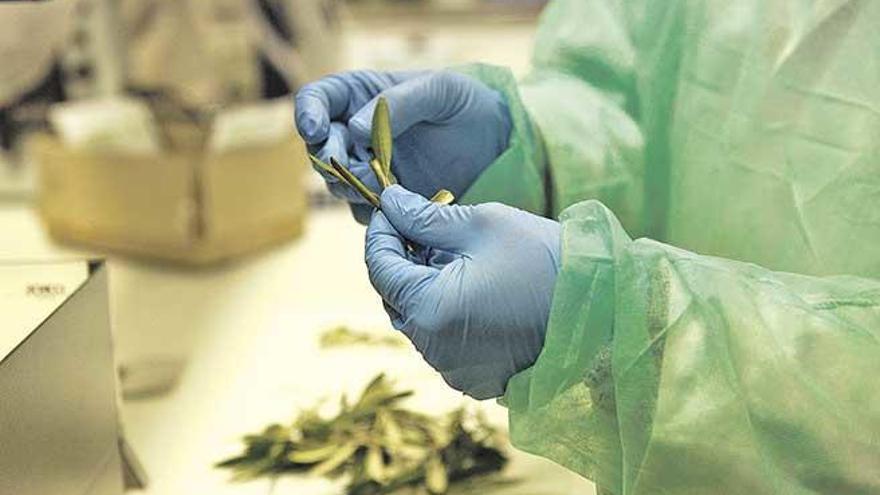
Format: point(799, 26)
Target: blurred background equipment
point(197, 56)
point(420, 34)
point(122, 177)
point(220, 51)
point(26, 65)
point(30, 77)
point(185, 100)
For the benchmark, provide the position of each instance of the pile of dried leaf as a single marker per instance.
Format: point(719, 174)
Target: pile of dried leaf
point(377, 445)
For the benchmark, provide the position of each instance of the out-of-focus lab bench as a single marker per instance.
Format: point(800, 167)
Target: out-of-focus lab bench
point(247, 335)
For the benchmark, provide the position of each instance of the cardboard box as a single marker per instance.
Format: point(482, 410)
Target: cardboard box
point(187, 205)
point(58, 416)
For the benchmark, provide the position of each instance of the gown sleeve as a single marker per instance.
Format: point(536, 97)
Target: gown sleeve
point(664, 371)
point(582, 110)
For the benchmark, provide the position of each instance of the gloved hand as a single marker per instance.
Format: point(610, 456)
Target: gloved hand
point(448, 127)
point(474, 296)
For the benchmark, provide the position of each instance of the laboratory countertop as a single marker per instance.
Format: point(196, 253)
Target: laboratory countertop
point(247, 334)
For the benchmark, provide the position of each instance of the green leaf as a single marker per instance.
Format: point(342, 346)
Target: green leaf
point(384, 181)
point(343, 336)
point(380, 392)
point(276, 432)
point(354, 182)
point(234, 461)
point(340, 457)
point(382, 137)
point(439, 433)
point(443, 197)
point(374, 464)
point(436, 479)
point(378, 445)
point(393, 436)
point(313, 455)
point(326, 168)
point(378, 386)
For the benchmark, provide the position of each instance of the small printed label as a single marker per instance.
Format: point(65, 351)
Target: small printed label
point(45, 290)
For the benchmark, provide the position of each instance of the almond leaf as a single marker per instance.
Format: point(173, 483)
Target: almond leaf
point(443, 197)
point(356, 183)
point(311, 456)
point(380, 173)
point(375, 465)
point(382, 138)
point(340, 457)
point(325, 167)
point(436, 479)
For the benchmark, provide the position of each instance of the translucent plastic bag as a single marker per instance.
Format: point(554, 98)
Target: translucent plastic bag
point(668, 372)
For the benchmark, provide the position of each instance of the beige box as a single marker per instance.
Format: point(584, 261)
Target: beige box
point(186, 205)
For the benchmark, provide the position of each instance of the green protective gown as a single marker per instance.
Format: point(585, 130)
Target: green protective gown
point(735, 347)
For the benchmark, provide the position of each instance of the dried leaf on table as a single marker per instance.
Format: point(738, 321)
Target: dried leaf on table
point(436, 479)
point(377, 445)
point(343, 336)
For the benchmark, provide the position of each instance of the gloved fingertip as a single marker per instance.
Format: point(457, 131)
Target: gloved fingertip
point(362, 213)
point(311, 115)
point(397, 320)
point(313, 129)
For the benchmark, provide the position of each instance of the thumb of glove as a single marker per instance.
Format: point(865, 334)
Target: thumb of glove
point(447, 227)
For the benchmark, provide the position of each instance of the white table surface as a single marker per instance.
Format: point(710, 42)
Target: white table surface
point(248, 334)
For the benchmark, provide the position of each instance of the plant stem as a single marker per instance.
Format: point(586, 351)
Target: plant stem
point(356, 183)
point(326, 168)
point(384, 180)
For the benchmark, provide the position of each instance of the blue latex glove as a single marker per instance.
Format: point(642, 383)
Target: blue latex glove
point(475, 296)
point(448, 127)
